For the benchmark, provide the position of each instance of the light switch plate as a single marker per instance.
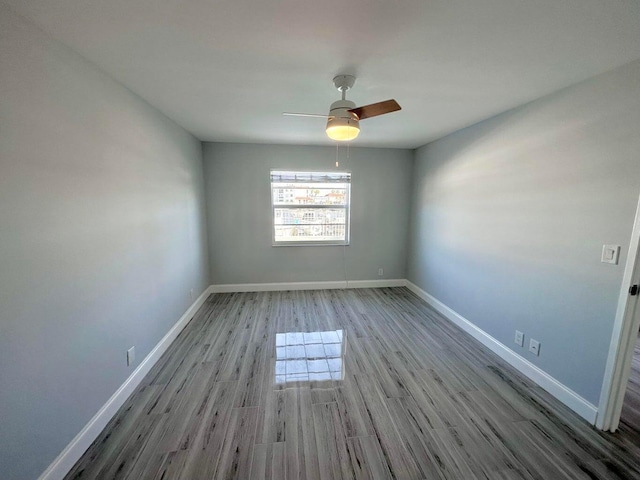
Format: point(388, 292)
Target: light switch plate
point(519, 339)
point(131, 356)
point(610, 254)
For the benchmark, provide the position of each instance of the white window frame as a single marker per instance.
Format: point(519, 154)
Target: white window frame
point(343, 178)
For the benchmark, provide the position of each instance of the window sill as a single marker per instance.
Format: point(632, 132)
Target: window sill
point(308, 244)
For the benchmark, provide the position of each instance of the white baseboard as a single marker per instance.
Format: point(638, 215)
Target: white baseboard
point(72, 453)
point(392, 282)
point(330, 285)
point(571, 399)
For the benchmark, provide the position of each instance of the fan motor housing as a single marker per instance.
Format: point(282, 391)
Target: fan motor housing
point(340, 109)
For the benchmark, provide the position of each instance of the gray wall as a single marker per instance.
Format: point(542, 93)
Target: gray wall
point(102, 237)
point(239, 214)
point(509, 218)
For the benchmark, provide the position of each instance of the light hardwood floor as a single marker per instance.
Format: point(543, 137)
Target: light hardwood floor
point(353, 384)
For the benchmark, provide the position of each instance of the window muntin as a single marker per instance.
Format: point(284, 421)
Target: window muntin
point(310, 208)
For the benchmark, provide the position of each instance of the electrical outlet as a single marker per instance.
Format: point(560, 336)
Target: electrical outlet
point(534, 347)
point(131, 356)
point(191, 294)
point(380, 271)
point(519, 338)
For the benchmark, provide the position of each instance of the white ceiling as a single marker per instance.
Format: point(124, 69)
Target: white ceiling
point(226, 69)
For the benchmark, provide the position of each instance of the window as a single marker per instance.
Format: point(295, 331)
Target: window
point(310, 208)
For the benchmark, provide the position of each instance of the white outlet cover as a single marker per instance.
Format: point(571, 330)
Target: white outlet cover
point(519, 338)
point(534, 347)
point(610, 254)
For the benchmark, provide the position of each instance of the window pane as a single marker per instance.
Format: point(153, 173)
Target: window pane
point(301, 233)
point(312, 194)
point(309, 216)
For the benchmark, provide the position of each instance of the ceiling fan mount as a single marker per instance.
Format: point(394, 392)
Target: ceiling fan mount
point(344, 82)
point(343, 120)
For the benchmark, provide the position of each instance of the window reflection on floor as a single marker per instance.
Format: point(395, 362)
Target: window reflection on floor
point(309, 356)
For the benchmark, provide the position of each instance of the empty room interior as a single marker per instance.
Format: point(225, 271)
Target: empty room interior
point(319, 240)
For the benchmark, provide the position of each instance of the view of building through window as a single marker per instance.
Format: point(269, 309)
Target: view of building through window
point(310, 207)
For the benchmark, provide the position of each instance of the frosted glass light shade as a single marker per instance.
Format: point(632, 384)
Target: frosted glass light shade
point(342, 133)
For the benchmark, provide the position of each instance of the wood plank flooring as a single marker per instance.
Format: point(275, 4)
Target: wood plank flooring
point(630, 417)
point(343, 384)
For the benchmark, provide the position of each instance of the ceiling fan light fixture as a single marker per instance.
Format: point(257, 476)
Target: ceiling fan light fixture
point(342, 125)
point(344, 117)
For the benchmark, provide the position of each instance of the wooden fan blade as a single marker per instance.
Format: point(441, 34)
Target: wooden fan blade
point(376, 109)
point(291, 114)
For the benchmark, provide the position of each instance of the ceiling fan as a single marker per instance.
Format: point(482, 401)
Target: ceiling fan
point(343, 120)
